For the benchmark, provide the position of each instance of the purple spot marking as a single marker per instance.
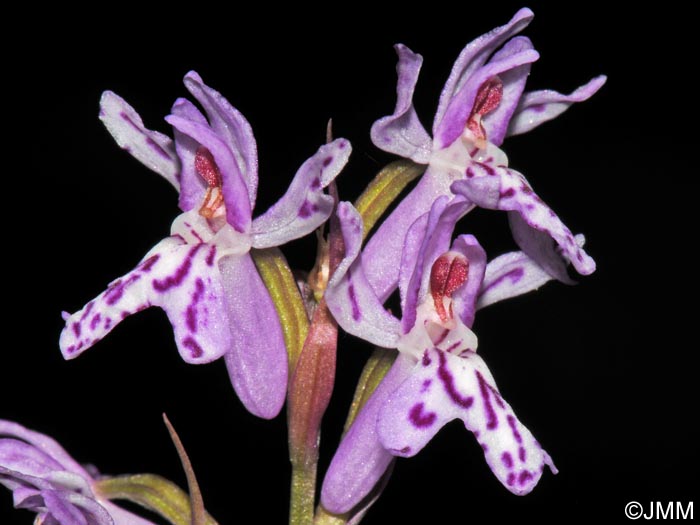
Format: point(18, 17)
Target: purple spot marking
point(448, 382)
point(426, 359)
point(473, 152)
point(516, 434)
point(551, 213)
point(108, 323)
point(353, 300)
point(128, 120)
point(488, 169)
point(210, 255)
point(538, 108)
point(76, 329)
point(470, 172)
point(522, 454)
point(421, 419)
point(157, 148)
point(527, 190)
point(307, 209)
point(148, 263)
point(316, 184)
point(179, 276)
point(524, 477)
point(514, 275)
point(125, 314)
point(484, 447)
point(507, 459)
point(327, 161)
point(87, 311)
point(443, 336)
point(453, 346)
point(95, 321)
point(191, 313)
point(405, 450)
point(489, 159)
point(426, 385)
point(492, 421)
point(579, 256)
point(116, 290)
point(508, 193)
point(196, 235)
point(511, 479)
point(70, 349)
point(193, 347)
point(342, 145)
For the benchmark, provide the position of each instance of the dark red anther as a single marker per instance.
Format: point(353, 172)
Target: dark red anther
point(205, 165)
point(449, 272)
point(487, 99)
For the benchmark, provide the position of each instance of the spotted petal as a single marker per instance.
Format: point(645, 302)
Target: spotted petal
point(153, 149)
point(402, 133)
point(443, 387)
point(304, 207)
point(183, 280)
point(349, 295)
point(257, 358)
point(537, 107)
point(361, 460)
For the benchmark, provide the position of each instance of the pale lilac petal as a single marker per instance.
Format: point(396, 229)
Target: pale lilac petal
point(257, 357)
point(512, 274)
point(465, 297)
point(235, 192)
point(512, 63)
point(475, 55)
point(192, 185)
point(537, 107)
point(533, 223)
point(232, 127)
point(361, 461)
point(438, 234)
point(59, 506)
point(402, 133)
point(385, 247)
point(153, 149)
point(349, 296)
point(444, 387)
point(304, 207)
point(22, 457)
point(183, 280)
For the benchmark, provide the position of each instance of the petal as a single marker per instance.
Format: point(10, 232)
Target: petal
point(513, 274)
point(235, 192)
point(63, 510)
point(512, 63)
point(443, 387)
point(180, 278)
point(465, 296)
point(402, 133)
point(192, 186)
point(475, 55)
point(350, 297)
point(304, 207)
point(25, 458)
point(232, 127)
point(154, 150)
point(537, 107)
point(533, 223)
point(257, 357)
point(361, 460)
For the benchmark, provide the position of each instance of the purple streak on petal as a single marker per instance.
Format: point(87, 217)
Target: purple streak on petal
point(235, 193)
point(507, 460)
point(155, 150)
point(232, 127)
point(179, 281)
point(360, 460)
point(522, 454)
point(420, 418)
point(257, 357)
point(304, 207)
point(492, 419)
point(464, 304)
point(448, 382)
point(402, 133)
point(474, 56)
point(538, 107)
point(374, 324)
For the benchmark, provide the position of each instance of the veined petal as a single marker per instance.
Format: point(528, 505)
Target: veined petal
point(232, 127)
point(25, 458)
point(183, 280)
point(61, 509)
point(537, 107)
point(475, 55)
point(465, 296)
point(402, 133)
point(235, 192)
point(513, 274)
point(533, 223)
point(443, 387)
point(361, 460)
point(304, 207)
point(512, 63)
point(257, 358)
point(153, 149)
point(192, 185)
point(349, 295)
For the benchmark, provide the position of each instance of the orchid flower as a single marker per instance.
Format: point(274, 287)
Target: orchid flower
point(480, 105)
point(438, 376)
point(44, 479)
point(202, 275)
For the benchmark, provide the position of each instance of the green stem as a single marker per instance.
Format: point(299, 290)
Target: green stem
point(303, 493)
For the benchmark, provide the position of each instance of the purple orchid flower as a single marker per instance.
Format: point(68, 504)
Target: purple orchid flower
point(438, 375)
point(202, 275)
point(44, 479)
point(481, 104)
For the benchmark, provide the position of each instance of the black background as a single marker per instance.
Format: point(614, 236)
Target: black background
point(602, 372)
